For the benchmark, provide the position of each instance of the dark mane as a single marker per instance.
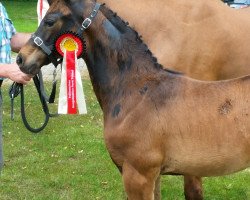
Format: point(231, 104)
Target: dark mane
point(124, 27)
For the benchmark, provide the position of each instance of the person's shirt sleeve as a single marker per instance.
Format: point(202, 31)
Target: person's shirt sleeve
point(7, 29)
point(10, 29)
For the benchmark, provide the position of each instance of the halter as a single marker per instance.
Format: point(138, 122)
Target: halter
point(85, 24)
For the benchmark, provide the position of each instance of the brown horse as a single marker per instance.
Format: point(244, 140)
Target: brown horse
point(198, 123)
point(175, 35)
point(206, 40)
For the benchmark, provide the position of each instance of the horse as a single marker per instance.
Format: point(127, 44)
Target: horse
point(206, 40)
point(127, 79)
point(192, 36)
point(196, 37)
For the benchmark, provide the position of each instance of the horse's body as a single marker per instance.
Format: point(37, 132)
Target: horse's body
point(206, 40)
point(194, 134)
point(155, 121)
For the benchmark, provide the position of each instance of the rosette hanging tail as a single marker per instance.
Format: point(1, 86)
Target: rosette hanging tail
point(71, 96)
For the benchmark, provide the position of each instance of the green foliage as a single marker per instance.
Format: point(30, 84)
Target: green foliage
point(68, 160)
point(23, 14)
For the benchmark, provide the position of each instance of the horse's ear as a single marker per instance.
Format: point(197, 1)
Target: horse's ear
point(71, 1)
point(67, 1)
point(50, 2)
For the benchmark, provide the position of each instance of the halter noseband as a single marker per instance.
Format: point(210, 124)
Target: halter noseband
point(39, 42)
point(85, 24)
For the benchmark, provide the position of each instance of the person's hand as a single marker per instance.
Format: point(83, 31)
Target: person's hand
point(15, 74)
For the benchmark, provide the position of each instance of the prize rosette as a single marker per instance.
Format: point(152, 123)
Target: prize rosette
point(69, 42)
point(71, 96)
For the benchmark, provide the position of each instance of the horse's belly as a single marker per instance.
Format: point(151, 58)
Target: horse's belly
point(204, 164)
point(214, 150)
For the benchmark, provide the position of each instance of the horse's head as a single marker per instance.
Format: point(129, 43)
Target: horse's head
point(62, 16)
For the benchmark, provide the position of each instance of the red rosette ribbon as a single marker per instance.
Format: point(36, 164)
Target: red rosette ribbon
point(69, 42)
point(71, 96)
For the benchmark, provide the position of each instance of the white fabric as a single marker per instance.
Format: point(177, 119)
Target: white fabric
point(62, 102)
point(80, 97)
point(42, 8)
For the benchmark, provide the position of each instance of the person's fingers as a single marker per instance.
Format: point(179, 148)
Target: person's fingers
point(27, 78)
point(24, 79)
point(25, 82)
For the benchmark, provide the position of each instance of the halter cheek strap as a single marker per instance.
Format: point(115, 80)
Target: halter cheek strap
point(87, 21)
point(39, 42)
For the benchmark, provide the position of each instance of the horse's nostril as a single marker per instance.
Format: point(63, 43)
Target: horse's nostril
point(19, 60)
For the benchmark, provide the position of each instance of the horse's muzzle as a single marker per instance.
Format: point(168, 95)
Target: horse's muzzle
point(19, 60)
point(31, 69)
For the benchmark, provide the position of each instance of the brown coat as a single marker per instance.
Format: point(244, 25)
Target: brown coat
point(206, 40)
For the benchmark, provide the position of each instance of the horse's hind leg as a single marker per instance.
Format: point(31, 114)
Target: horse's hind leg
point(139, 185)
point(157, 190)
point(193, 188)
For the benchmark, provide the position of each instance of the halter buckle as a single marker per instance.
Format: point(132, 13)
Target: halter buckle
point(86, 23)
point(38, 41)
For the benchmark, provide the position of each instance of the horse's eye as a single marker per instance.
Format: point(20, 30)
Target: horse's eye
point(49, 23)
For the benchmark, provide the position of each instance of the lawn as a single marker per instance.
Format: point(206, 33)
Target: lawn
point(68, 160)
point(22, 13)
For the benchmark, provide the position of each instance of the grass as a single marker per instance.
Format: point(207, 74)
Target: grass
point(68, 160)
point(23, 14)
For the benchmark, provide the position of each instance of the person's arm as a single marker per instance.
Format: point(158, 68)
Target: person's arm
point(13, 72)
point(18, 40)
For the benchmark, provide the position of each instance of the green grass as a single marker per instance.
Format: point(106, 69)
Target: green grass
point(23, 14)
point(68, 160)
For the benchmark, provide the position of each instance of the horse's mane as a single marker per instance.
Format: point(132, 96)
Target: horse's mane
point(123, 27)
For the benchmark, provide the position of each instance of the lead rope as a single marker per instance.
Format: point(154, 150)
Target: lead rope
point(17, 88)
point(51, 98)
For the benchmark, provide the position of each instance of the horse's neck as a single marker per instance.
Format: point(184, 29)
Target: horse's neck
point(118, 61)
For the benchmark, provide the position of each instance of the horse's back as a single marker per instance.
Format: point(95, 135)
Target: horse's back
point(206, 40)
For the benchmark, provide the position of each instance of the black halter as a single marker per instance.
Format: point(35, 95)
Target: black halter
point(39, 42)
point(49, 50)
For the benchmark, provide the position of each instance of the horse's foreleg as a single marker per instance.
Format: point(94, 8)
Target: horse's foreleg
point(139, 185)
point(193, 188)
point(157, 190)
